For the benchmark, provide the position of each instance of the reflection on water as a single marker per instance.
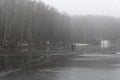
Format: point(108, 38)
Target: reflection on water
point(70, 74)
point(87, 66)
point(105, 44)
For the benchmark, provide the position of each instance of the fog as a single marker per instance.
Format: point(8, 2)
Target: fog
point(59, 40)
point(87, 7)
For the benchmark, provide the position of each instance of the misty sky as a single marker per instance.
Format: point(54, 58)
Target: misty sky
point(87, 7)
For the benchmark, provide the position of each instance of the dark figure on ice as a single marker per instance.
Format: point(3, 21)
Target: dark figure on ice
point(72, 46)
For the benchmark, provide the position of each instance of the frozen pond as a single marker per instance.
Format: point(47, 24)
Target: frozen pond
point(67, 74)
point(87, 66)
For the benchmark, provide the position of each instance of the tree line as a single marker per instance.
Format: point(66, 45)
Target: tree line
point(27, 21)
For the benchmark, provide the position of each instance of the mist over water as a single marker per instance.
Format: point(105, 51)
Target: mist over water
point(59, 40)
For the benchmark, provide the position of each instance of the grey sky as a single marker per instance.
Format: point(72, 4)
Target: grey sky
point(87, 7)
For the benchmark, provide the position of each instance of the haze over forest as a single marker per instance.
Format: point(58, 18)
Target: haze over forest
point(31, 21)
point(86, 7)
